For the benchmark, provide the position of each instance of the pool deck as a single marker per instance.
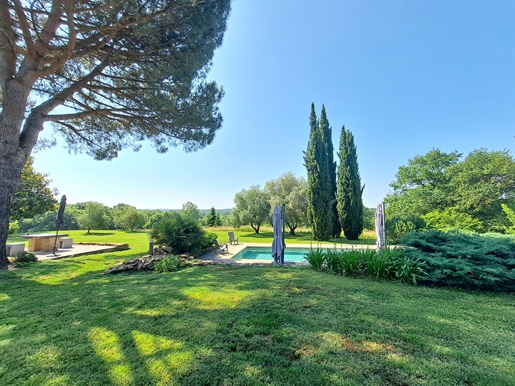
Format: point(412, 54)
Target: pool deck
point(228, 257)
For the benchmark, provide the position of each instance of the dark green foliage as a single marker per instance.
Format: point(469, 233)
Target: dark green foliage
point(471, 261)
point(453, 192)
point(24, 257)
point(181, 234)
point(389, 264)
point(320, 214)
point(398, 226)
point(210, 219)
point(331, 164)
point(168, 264)
point(33, 196)
point(350, 191)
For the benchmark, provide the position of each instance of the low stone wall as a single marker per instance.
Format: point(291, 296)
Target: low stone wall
point(148, 262)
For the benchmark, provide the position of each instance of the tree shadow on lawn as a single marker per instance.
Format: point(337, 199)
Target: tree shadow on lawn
point(211, 325)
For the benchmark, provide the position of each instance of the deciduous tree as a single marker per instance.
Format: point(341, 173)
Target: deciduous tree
point(34, 195)
point(291, 191)
point(95, 216)
point(252, 207)
point(107, 75)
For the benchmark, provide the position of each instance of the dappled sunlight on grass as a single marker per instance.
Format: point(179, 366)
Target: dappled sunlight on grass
point(167, 357)
point(108, 347)
point(48, 358)
point(148, 344)
point(208, 299)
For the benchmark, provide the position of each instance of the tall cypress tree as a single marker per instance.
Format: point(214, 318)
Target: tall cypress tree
point(350, 191)
point(319, 185)
point(327, 134)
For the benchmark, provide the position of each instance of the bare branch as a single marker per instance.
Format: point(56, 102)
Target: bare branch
point(7, 45)
point(48, 32)
point(24, 25)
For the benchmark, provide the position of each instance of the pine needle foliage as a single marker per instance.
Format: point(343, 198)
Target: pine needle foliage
point(465, 260)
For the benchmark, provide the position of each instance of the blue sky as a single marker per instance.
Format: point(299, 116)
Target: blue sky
point(403, 76)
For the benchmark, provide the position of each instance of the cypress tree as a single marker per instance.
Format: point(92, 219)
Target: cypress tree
point(327, 134)
point(350, 191)
point(319, 185)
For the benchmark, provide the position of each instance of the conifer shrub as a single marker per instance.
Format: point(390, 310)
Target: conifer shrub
point(464, 260)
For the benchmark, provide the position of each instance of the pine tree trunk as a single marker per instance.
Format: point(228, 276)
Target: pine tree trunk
point(10, 172)
point(15, 149)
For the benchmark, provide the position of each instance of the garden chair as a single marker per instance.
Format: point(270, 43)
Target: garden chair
point(223, 248)
point(233, 239)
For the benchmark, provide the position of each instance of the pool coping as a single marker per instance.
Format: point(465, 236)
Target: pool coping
point(234, 249)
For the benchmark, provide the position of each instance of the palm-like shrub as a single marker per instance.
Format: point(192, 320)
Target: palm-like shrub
point(181, 234)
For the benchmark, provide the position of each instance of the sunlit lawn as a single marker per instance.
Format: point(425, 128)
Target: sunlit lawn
point(64, 323)
point(302, 236)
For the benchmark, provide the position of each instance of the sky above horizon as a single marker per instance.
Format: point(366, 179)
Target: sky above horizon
point(403, 76)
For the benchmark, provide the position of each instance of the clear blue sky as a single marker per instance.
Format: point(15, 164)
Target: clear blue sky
point(403, 76)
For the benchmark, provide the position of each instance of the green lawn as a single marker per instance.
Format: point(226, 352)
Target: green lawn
point(302, 236)
point(64, 323)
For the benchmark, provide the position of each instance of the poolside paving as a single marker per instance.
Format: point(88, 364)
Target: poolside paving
point(76, 250)
point(230, 257)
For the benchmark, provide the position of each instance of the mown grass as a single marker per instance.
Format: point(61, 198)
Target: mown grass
point(63, 322)
point(302, 236)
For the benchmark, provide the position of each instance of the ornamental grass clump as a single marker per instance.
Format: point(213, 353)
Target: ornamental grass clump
point(388, 264)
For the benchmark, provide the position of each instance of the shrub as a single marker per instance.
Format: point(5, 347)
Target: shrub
point(397, 226)
point(181, 234)
point(464, 260)
point(168, 264)
point(24, 257)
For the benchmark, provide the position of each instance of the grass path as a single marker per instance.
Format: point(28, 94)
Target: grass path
point(64, 323)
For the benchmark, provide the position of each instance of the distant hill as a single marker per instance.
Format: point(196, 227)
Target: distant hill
point(203, 212)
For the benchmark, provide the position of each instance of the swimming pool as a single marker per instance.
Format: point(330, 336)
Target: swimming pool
point(265, 253)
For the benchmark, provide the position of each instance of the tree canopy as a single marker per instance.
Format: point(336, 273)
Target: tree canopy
point(106, 75)
point(291, 191)
point(444, 186)
point(34, 196)
point(252, 207)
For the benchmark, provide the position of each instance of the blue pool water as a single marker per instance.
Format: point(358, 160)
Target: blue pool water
point(290, 254)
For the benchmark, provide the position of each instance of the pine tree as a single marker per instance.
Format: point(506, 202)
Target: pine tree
point(331, 164)
point(350, 191)
point(319, 182)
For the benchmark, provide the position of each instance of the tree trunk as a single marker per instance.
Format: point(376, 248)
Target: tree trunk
point(15, 148)
point(255, 229)
point(10, 172)
point(292, 230)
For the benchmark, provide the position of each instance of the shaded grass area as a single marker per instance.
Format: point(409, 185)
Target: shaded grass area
point(64, 323)
point(302, 236)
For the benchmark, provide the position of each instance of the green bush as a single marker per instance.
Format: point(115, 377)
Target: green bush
point(168, 264)
point(14, 228)
point(182, 234)
point(24, 257)
point(464, 260)
point(398, 226)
